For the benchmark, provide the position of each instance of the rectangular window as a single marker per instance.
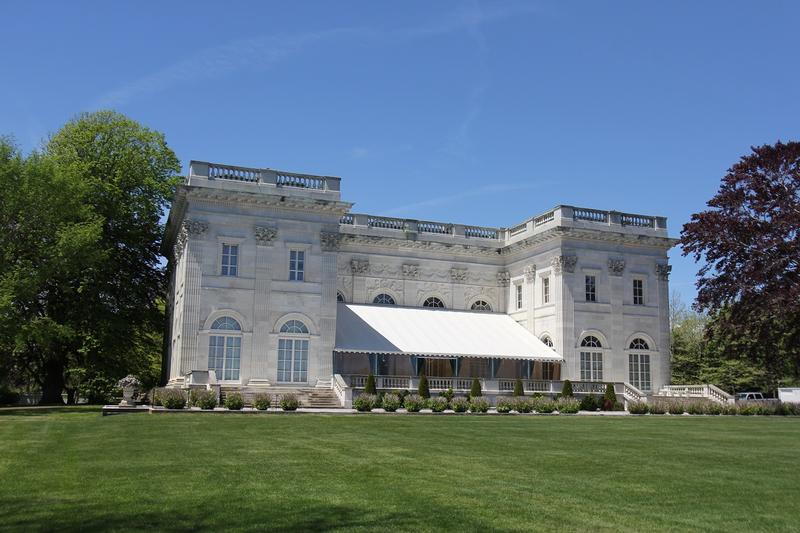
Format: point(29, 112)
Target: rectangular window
point(591, 366)
point(639, 371)
point(292, 360)
point(230, 260)
point(591, 289)
point(638, 292)
point(548, 371)
point(297, 262)
point(546, 290)
point(519, 296)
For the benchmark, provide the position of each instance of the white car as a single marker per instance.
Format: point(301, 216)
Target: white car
point(742, 396)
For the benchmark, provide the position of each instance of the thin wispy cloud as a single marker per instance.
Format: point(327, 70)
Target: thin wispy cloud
point(266, 51)
point(483, 191)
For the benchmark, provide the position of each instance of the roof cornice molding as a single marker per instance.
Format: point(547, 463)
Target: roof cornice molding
point(433, 246)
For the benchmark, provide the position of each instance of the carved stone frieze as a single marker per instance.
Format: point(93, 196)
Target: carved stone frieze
point(359, 266)
point(530, 273)
point(189, 227)
point(375, 284)
point(265, 235)
point(344, 284)
point(411, 271)
point(503, 278)
point(563, 263)
point(458, 275)
point(329, 240)
point(426, 289)
point(663, 271)
point(616, 267)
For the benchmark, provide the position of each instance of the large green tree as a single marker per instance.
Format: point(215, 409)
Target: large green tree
point(82, 276)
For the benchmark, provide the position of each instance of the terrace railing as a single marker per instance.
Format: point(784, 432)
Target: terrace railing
point(279, 178)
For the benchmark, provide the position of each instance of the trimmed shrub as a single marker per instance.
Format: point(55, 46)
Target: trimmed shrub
point(172, 398)
point(391, 402)
point(638, 408)
point(518, 390)
point(157, 397)
point(714, 409)
point(749, 409)
point(475, 390)
point(402, 393)
point(448, 394)
point(459, 404)
point(543, 405)
point(523, 404)
point(790, 409)
point(234, 401)
point(289, 402)
point(478, 404)
point(369, 388)
point(730, 409)
point(568, 405)
point(505, 404)
point(438, 404)
point(262, 401)
point(658, 408)
point(364, 402)
point(414, 403)
point(203, 398)
point(676, 408)
point(589, 403)
point(696, 408)
point(423, 389)
point(610, 398)
point(566, 389)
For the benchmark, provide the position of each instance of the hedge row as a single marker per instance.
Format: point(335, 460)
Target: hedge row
point(172, 398)
point(679, 407)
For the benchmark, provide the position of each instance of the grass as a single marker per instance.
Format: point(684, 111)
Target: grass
point(64, 469)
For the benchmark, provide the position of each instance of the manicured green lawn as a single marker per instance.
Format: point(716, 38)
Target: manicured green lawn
point(73, 469)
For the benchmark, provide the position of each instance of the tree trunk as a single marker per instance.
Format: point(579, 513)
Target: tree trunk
point(53, 383)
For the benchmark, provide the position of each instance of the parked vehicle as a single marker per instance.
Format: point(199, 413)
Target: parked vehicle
point(743, 396)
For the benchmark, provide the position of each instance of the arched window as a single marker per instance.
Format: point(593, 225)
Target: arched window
point(639, 365)
point(433, 301)
point(481, 305)
point(639, 344)
point(339, 297)
point(227, 323)
point(294, 326)
point(591, 360)
point(225, 349)
point(383, 299)
point(293, 352)
point(547, 340)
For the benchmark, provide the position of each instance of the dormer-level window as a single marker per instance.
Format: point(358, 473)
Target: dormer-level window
point(230, 260)
point(297, 265)
point(519, 295)
point(591, 289)
point(638, 292)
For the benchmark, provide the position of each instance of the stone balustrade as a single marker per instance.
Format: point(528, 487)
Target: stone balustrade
point(266, 176)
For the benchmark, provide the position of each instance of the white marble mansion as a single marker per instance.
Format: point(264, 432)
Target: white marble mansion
point(276, 284)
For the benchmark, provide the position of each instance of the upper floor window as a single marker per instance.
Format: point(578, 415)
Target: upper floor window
point(294, 326)
point(383, 299)
point(433, 301)
point(547, 340)
point(518, 288)
point(638, 292)
point(297, 265)
point(639, 344)
point(481, 305)
point(591, 289)
point(230, 260)
point(546, 290)
point(226, 322)
point(339, 297)
point(591, 342)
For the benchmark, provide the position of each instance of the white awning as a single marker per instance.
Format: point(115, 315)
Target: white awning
point(422, 331)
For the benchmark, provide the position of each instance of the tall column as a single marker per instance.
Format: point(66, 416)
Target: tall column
point(327, 335)
point(189, 240)
point(259, 364)
point(563, 269)
point(619, 365)
point(662, 377)
point(530, 294)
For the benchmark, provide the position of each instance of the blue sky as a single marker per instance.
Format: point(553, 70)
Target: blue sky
point(485, 113)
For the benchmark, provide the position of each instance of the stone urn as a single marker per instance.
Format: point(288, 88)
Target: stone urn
point(129, 385)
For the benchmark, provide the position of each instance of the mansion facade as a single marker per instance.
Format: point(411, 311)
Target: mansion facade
point(276, 283)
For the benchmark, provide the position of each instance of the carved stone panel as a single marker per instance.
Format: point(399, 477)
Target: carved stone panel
point(503, 278)
point(411, 271)
point(530, 273)
point(265, 235)
point(458, 275)
point(616, 267)
point(359, 266)
point(663, 271)
point(564, 263)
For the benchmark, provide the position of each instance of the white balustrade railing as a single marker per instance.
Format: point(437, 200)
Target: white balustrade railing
point(227, 172)
point(481, 232)
point(591, 215)
point(302, 181)
point(544, 219)
point(434, 227)
point(538, 385)
point(709, 391)
point(347, 218)
point(386, 222)
point(589, 387)
point(633, 394)
point(639, 221)
point(519, 228)
point(342, 391)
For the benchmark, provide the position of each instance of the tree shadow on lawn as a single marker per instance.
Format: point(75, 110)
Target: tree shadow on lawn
point(27, 515)
point(49, 410)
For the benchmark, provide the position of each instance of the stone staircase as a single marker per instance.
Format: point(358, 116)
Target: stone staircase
point(318, 397)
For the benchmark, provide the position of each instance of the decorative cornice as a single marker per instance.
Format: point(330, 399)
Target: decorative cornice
point(563, 263)
point(264, 235)
point(590, 235)
point(503, 278)
point(663, 271)
point(616, 267)
point(261, 200)
point(530, 273)
point(458, 275)
point(421, 245)
point(358, 266)
point(411, 271)
point(329, 241)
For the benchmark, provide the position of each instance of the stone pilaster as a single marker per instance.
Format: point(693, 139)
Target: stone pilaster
point(660, 376)
point(192, 357)
point(259, 368)
point(530, 295)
